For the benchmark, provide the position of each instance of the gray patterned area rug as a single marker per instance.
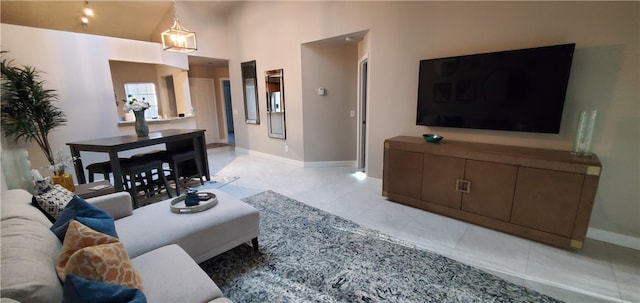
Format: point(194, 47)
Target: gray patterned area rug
point(308, 255)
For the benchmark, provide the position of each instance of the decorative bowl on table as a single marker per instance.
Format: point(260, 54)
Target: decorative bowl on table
point(433, 138)
point(206, 201)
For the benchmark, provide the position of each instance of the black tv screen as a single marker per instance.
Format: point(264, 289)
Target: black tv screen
point(516, 90)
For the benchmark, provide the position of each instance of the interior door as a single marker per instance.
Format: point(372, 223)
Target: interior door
point(204, 104)
point(226, 88)
point(362, 138)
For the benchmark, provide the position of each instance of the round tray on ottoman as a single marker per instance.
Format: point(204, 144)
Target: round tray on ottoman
point(178, 205)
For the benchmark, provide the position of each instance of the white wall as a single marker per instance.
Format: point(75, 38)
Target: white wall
point(604, 75)
point(253, 36)
point(327, 118)
point(77, 67)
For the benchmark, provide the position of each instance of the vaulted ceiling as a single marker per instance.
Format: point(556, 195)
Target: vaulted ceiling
point(137, 19)
point(123, 19)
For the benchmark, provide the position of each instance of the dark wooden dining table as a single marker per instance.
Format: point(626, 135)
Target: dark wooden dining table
point(174, 139)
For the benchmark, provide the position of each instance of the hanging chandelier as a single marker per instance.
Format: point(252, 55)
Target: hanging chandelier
point(177, 38)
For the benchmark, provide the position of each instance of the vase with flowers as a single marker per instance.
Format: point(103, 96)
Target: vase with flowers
point(138, 107)
point(61, 161)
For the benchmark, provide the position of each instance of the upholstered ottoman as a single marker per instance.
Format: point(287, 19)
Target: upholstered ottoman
point(202, 235)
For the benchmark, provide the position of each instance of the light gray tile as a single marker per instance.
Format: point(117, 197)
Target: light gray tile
point(588, 268)
point(239, 191)
point(376, 212)
point(421, 242)
point(569, 294)
point(626, 267)
point(435, 232)
point(492, 250)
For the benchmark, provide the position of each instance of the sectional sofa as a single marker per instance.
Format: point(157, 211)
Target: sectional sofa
point(162, 247)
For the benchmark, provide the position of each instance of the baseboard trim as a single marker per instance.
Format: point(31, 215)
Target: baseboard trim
point(613, 238)
point(269, 156)
point(330, 164)
point(296, 162)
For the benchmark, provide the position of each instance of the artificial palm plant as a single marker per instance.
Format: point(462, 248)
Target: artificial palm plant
point(27, 109)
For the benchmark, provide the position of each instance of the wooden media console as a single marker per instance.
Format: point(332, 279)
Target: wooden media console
point(540, 194)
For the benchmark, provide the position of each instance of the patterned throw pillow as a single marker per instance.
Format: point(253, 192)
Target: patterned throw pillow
point(105, 262)
point(52, 201)
point(79, 236)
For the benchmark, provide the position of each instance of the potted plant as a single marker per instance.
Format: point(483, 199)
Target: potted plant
point(27, 111)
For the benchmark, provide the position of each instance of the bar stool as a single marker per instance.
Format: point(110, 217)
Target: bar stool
point(154, 154)
point(149, 156)
point(181, 165)
point(140, 172)
point(103, 168)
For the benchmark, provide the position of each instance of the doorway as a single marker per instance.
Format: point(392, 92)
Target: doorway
point(203, 101)
point(363, 67)
point(226, 91)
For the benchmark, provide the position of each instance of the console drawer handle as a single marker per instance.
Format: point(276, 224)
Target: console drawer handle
point(463, 185)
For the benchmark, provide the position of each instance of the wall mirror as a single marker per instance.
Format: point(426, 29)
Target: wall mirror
point(165, 87)
point(250, 91)
point(275, 103)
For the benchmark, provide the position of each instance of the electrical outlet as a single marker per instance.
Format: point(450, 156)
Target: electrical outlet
point(352, 113)
point(286, 148)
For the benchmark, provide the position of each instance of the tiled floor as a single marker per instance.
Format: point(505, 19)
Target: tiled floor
point(600, 272)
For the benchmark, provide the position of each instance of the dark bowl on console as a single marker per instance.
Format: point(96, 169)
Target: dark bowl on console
point(433, 138)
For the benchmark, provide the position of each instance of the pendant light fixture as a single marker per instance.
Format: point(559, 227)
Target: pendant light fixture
point(177, 38)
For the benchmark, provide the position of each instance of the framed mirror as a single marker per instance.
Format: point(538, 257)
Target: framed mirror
point(275, 103)
point(250, 91)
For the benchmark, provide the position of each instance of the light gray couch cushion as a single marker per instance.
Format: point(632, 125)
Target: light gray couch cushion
point(203, 235)
point(170, 267)
point(16, 203)
point(117, 205)
point(29, 252)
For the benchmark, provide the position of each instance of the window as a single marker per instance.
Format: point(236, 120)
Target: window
point(146, 91)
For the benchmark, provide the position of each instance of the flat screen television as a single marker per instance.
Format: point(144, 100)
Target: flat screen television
point(517, 90)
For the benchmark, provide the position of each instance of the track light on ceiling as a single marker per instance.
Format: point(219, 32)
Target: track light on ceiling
point(178, 38)
point(86, 13)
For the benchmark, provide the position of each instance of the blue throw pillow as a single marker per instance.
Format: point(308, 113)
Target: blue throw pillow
point(85, 213)
point(80, 290)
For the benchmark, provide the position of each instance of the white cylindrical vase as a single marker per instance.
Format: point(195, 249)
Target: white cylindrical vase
point(584, 133)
